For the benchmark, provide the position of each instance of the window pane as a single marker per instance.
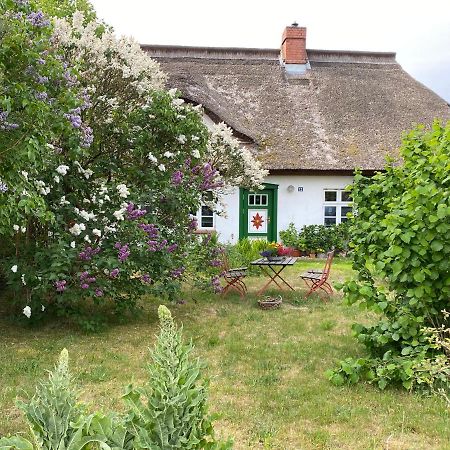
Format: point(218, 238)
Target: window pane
point(330, 196)
point(257, 199)
point(330, 210)
point(346, 196)
point(207, 222)
point(251, 199)
point(345, 210)
point(207, 212)
point(329, 221)
point(264, 199)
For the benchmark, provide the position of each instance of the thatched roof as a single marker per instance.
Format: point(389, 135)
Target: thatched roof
point(349, 110)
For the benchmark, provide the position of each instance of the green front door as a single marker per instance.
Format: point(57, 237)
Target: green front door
point(258, 213)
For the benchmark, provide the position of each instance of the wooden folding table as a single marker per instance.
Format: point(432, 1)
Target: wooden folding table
point(273, 270)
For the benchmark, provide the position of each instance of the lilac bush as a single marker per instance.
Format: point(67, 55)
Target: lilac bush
point(101, 167)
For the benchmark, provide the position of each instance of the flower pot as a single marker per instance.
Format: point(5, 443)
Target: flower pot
point(312, 255)
point(296, 253)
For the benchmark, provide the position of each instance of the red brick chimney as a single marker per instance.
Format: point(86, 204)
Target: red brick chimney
point(293, 45)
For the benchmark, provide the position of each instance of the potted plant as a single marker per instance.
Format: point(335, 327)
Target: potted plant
point(274, 252)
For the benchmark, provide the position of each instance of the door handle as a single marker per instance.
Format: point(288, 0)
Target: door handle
point(268, 219)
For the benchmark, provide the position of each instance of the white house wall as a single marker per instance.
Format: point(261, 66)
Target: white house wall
point(302, 207)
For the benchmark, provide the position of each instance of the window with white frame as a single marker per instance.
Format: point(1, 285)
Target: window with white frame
point(205, 215)
point(337, 204)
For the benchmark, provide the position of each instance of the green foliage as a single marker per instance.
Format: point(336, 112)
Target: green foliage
point(317, 238)
point(171, 412)
point(244, 252)
point(401, 241)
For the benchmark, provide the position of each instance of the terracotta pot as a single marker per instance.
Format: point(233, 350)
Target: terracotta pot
point(312, 255)
point(295, 253)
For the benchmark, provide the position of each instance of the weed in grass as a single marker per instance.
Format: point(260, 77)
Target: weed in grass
point(97, 374)
point(327, 325)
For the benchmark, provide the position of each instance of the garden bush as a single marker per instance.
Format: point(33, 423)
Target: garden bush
point(101, 166)
point(317, 238)
point(170, 412)
point(401, 247)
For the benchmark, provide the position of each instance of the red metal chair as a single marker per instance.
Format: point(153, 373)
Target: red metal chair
point(317, 279)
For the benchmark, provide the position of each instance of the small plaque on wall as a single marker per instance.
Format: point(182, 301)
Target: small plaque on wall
point(300, 189)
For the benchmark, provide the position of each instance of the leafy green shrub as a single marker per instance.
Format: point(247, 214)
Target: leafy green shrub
point(317, 238)
point(169, 413)
point(244, 252)
point(401, 242)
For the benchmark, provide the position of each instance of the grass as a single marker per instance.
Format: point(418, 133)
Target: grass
point(266, 369)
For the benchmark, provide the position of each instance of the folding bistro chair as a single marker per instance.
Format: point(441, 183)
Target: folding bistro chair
point(317, 279)
point(234, 278)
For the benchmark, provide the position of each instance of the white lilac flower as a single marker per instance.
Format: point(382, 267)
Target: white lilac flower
point(62, 169)
point(87, 238)
point(23, 279)
point(181, 139)
point(86, 200)
point(106, 197)
point(119, 215)
point(27, 311)
point(96, 232)
point(106, 271)
point(63, 201)
point(23, 229)
point(162, 167)
point(195, 138)
point(173, 92)
point(25, 174)
point(50, 146)
point(177, 101)
point(152, 158)
point(50, 233)
point(42, 308)
point(77, 228)
point(25, 193)
point(56, 178)
point(16, 227)
point(72, 244)
point(110, 229)
point(14, 268)
point(86, 215)
point(123, 190)
point(196, 154)
point(168, 154)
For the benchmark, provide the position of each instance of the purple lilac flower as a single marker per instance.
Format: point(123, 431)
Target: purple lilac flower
point(91, 280)
point(124, 251)
point(38, 19)
point(4, 124)
point(149, 228)
point(98, 293)
point(215, 282)
point(215, 263)
point(74, 119)
point(3, 187)
point(18, 15)
point(41, 61)
point(42, 80)
point(87, 136)
point(176, 273)
point(60, 285)
point(41, 95)
point(84, 275)
point(193, 224)
point(71, 80)
point(86, 100)
point(156, 246)
point(146, 278)
point(177, 177)
point(172, 247)
point(135, 213)
point(21, 2)
point(84, 286)
point(88, 253)
point(187, 163)
point(209, 177)
point(114, 273)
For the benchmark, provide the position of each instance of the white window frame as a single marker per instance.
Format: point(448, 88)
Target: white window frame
point(200, 216)
point(338, 204)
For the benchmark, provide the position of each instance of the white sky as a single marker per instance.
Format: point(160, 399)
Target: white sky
point(418, 30)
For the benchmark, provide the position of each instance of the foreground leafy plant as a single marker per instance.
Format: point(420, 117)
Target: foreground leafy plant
point(401, 240)
point(171, 412)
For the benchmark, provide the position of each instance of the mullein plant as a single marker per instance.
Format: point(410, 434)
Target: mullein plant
point(169, 413)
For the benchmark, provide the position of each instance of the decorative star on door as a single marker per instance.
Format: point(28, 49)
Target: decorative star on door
point(257, 221)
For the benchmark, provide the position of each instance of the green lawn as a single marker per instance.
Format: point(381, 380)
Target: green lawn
point(266, 369)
